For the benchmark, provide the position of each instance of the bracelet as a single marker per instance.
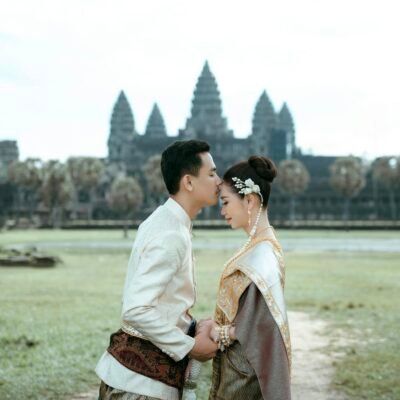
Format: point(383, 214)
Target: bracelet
point(223, 340)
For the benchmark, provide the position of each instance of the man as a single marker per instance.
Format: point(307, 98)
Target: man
point(147, 357)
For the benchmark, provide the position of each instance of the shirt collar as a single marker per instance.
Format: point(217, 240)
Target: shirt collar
point(179, 212)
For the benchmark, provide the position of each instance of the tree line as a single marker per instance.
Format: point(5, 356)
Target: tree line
point(57, 187)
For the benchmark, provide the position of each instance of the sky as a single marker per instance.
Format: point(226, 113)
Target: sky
point(335, 63)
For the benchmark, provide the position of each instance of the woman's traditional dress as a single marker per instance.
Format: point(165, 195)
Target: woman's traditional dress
point(257, 365)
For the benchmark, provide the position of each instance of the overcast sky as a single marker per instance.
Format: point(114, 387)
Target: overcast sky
point(335, 63)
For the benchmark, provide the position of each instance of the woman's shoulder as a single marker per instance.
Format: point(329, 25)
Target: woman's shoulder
point(265, 250)
point(262, 260)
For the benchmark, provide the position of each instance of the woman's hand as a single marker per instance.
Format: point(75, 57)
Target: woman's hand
point(214, 333)
point(209, 326)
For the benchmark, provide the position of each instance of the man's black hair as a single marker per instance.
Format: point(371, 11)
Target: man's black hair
point(180, 158)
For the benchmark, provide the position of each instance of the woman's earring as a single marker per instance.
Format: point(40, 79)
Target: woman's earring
point(249, 219)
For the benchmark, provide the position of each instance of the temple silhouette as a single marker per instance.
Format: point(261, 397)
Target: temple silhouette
point(273, 134)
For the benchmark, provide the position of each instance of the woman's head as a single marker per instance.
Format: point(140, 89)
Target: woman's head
point(236, 206)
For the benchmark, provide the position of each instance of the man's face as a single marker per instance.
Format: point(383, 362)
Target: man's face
point(206, 184)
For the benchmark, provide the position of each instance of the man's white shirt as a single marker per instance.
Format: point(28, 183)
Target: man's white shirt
point(159, 291)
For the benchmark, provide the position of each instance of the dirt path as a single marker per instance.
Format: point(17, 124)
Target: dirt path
point(312, 366)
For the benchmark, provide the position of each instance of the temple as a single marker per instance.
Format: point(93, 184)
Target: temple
point(272, 133)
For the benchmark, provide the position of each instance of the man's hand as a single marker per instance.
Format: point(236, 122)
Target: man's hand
point(209, 326)
point(204, 348)
point(204, 325)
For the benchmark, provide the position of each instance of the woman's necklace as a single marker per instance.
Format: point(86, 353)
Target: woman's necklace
point(251, 242)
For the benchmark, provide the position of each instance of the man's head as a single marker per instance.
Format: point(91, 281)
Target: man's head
point(187, 167)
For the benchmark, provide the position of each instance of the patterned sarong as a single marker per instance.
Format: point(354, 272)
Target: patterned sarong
point(109, 393)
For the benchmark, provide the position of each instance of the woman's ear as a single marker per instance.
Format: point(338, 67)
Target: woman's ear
point(251, 201)
point(187, 183)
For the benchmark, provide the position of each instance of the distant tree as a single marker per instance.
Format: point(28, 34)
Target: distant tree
point(386, 173)
point(125, 197)
point(110, 172)
point(155, 182)
point(347, 177)
point(27, 177)
point(86, 173)
point(293, 178)
point(57, 190)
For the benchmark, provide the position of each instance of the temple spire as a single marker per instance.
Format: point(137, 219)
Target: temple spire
point(285, 118)
point(286, 123)
point(206, 97)
point(122, 128)
point(122, 120)
point(206, 120)
point(155, 124)
point(264, 117)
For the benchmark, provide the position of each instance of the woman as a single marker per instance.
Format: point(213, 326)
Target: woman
point(251, 323)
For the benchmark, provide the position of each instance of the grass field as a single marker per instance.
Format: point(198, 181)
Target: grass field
point(55, 323)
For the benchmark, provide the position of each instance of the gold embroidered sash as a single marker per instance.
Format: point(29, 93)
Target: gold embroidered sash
point(235, 279)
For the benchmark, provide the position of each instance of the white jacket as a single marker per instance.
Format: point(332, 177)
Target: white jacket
point(159, 291)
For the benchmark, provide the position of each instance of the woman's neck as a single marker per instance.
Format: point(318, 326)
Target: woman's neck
point(263, 227)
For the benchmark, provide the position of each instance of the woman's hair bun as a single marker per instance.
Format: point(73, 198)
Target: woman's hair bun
point(263, 167)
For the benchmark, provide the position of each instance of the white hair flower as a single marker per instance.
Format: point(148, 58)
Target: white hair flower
point(246, 187)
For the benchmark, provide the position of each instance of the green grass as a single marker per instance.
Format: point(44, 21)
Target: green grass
point(55, 323)
point(360, 295)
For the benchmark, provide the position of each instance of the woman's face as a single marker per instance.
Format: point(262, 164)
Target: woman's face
point(234, 208)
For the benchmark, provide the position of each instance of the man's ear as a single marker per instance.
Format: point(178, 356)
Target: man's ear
point(187, 182)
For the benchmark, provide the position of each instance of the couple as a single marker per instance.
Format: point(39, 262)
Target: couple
point(148, 358)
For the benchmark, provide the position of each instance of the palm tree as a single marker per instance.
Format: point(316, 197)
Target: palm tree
point(125, 197)
point(57, 190)
point(348, 179)
point(386, 172)
point(293, 179)
point(155, 182)
point(27, 176)
point(86, 173)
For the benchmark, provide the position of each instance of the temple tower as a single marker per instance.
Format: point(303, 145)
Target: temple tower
point(263, 123)
point(8, 151)
point(155, 125)
point(206, 120)
point(286, 123)
point(122, 130)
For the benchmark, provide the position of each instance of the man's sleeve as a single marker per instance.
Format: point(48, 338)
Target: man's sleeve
point(159, 261)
